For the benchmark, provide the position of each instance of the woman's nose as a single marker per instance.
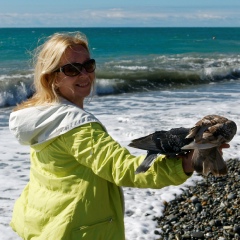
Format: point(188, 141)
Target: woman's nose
point(83, 72)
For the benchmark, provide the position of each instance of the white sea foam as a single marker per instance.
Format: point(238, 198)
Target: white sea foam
point(15, 77)
point(128, 116)
point(132, 67)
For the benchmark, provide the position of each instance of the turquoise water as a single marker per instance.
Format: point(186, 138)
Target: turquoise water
point(169, 77)
point(128, 59)
point(115, 42)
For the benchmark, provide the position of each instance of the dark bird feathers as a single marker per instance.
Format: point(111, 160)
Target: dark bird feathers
point(205, 138)
point(161, 142)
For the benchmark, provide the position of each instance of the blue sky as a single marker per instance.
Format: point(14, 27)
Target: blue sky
point(122, 13)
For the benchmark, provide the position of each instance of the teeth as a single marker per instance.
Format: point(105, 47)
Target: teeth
point(82, 85)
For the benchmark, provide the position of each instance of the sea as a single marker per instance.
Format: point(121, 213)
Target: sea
point(147, 79)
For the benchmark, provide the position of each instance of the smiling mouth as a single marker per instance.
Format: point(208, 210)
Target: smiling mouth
point(82, 84)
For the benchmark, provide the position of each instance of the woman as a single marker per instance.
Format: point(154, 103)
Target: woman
point(76, 167)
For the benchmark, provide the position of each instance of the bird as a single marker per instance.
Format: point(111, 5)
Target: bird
point(168, 142)
point(209, 134)
point(204, 138)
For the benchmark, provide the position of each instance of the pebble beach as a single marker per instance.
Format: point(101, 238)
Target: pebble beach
point(209, 210)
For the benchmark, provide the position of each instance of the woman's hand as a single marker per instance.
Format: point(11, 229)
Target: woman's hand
point(186, 159)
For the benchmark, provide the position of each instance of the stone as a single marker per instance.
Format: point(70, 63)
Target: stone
point(198, 235)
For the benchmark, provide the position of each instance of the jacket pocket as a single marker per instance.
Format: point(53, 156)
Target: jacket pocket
point(102, 230)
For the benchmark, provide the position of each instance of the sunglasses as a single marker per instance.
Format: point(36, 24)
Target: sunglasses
point(74, 69)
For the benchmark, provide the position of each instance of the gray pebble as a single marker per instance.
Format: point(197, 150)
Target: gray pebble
point(209, 210)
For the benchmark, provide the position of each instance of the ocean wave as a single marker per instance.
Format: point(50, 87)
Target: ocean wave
point(161, 72)
point(141, 73)
point(15, 89)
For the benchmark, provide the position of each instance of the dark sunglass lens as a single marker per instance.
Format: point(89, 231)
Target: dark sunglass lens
point(75, 69)
point(71, 70)
point(90, 65)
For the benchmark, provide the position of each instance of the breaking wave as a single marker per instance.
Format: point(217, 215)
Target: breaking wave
point(141, 73)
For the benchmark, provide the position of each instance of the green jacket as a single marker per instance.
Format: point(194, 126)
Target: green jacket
point(75, 177)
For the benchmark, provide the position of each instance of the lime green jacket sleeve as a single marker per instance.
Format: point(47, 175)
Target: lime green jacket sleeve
point(94, 148)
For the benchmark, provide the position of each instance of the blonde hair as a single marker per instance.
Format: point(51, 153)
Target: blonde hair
point(47, 58)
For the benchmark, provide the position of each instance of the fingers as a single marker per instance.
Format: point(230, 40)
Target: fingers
point(225, 145)
point(186, 162)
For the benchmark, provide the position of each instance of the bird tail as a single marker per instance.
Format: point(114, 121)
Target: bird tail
point(197, 161)
point(147, 162)
point(215, 163)
point(209, 160)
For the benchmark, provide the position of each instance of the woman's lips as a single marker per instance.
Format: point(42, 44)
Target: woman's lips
point(82, 84)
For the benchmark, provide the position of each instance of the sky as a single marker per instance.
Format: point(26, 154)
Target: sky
point(122, 13)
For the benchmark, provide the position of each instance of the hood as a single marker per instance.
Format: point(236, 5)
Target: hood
point(36, 125)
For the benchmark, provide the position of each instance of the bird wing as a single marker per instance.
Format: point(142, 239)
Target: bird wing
point(172, 141)
point(145, 143)
point(164, 142)
point(160, 142)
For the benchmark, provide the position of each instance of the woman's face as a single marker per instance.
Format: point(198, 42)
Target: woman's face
point(75, 88)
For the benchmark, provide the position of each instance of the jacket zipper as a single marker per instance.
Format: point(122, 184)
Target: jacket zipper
point(109, 220)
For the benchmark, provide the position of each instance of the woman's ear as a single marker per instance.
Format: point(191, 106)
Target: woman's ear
point(56, 85)
point(55, 82)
